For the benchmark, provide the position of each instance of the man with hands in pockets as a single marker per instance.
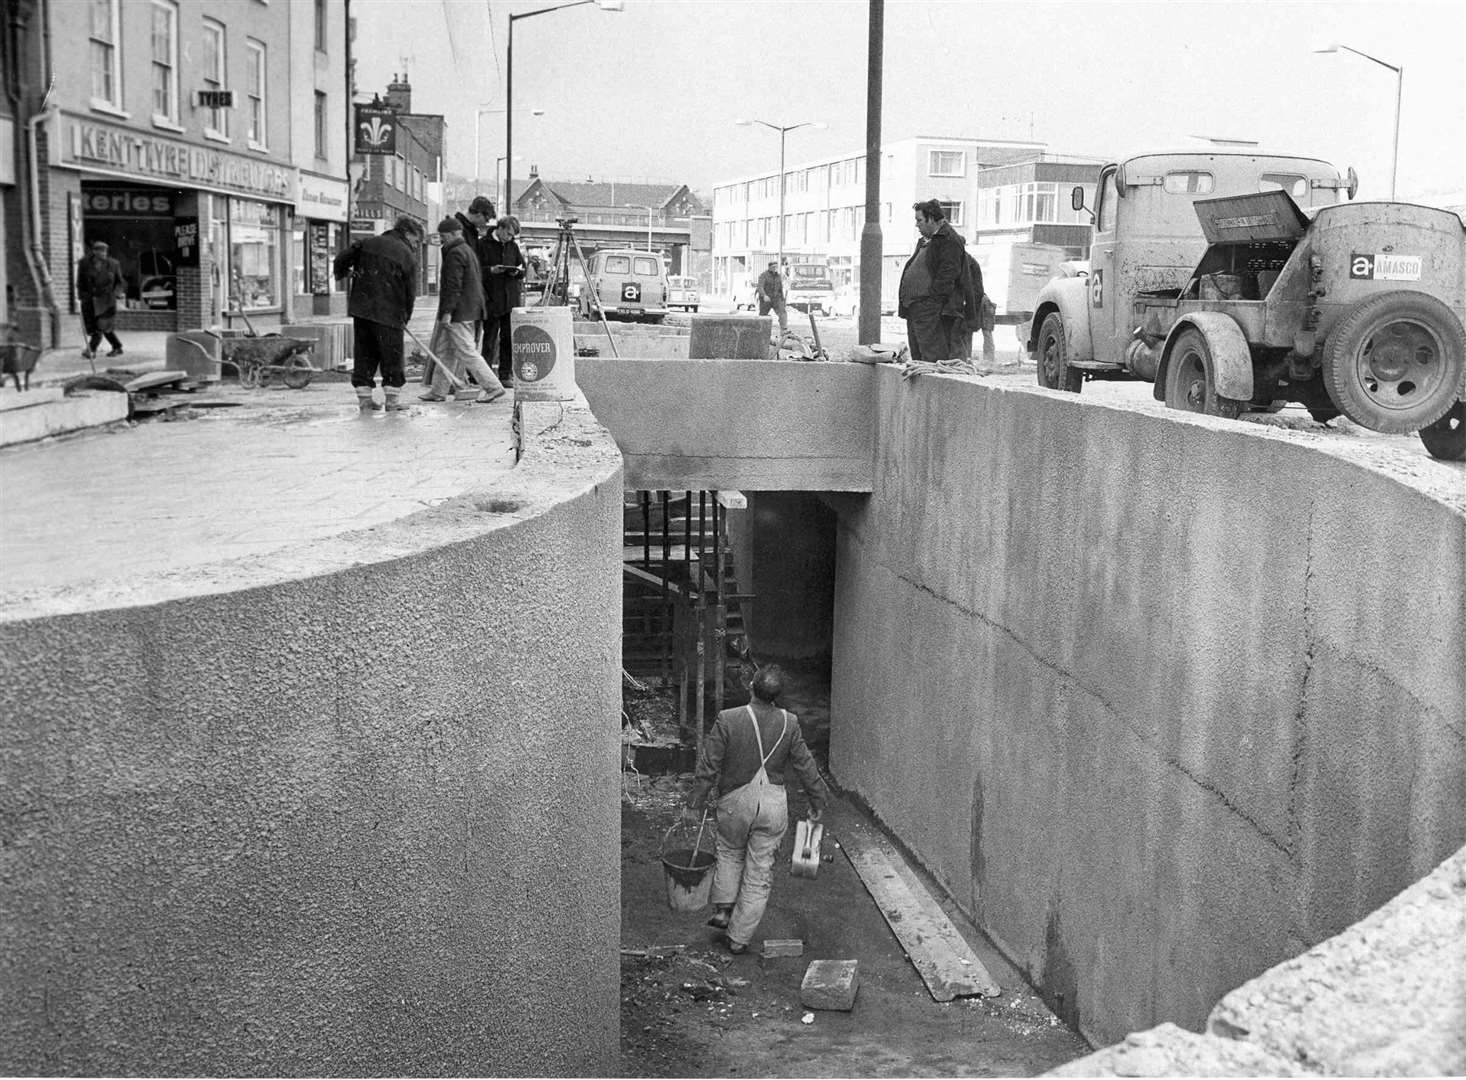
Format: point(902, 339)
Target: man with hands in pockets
point(740, 771)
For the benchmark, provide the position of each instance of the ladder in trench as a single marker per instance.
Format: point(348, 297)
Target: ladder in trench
point(683, 622)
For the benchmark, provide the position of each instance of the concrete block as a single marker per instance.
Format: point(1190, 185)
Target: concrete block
point(1168, 1050)
point(26, 399)
point(830, 984)
point(783, 947)
point(57, 417)
point(730, 337)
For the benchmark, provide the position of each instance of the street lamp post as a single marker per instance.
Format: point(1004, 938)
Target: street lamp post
point(649, 212)
point(604, 5)
point(1399, 92)
point(783, 130)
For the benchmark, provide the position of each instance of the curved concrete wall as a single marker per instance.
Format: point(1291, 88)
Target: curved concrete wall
point(1161, 700)
point(336, 812)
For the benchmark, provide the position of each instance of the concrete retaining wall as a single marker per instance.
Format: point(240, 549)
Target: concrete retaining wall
point(1161, 700)
point(337, 812)
point(759, 425)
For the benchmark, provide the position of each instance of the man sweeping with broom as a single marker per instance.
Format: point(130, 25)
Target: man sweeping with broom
point(741, 772)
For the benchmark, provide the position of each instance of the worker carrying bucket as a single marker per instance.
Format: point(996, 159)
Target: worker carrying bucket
point(685, 866)
point(741, 771)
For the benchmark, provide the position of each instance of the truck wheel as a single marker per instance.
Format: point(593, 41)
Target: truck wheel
point(1394, 363)
point(1191, 382)
point(1053, 357)
point(1446, 438)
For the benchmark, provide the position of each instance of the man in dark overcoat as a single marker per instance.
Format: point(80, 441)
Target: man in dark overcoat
point(99, 283)
point(383, 274)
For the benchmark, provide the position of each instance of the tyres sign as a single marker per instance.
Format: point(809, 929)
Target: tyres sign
point(1382, 267)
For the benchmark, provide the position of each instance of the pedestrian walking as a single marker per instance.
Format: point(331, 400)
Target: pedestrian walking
point(741, 771)
point(931, 298)
point(771, 295)
point(99, 285)
point(504, 275)
point(383, 275)
point(460, 309)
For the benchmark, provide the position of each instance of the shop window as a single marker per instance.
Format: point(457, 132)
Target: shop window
point(254, 263)
point(255, 75)
point(137, 223)
point(165, 62)
point(216, 121)
point(106, 77)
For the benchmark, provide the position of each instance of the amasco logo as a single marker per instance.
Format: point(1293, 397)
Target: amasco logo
point(534, 353)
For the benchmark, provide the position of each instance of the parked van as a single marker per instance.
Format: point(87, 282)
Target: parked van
point(628, 283)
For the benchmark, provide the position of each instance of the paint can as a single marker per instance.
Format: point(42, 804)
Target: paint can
point(542, 344)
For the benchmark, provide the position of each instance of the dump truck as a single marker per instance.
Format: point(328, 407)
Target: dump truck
point(1350, 309)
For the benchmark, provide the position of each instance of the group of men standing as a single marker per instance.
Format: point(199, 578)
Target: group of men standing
point(480, 283)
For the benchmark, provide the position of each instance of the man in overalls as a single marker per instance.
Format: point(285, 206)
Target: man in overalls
point(741, 772)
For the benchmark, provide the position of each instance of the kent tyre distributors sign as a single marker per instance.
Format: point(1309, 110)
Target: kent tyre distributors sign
point(156, 158)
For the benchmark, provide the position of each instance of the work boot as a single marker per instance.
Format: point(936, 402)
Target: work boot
point(720, 920)
point(392, 405)
point(364, 400)
point(116, 352)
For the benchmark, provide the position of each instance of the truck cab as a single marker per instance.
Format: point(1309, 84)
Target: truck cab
point(1146, 237)
point(1238, 281)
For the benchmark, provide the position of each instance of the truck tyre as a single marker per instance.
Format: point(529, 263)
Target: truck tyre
point(1054, 371)
point(1446, 438)
point(1394, 363)
point(1191, 381)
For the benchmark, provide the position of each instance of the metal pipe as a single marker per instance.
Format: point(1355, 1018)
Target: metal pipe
point(869, 326)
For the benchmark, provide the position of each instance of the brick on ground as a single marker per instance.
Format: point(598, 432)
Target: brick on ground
point(830, 984)
point(783, 947)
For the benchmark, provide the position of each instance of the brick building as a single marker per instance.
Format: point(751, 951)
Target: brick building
point(205, 142)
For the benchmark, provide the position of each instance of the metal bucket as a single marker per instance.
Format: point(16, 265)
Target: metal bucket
point(542, 344)
point(688, 879)
point(685, 867)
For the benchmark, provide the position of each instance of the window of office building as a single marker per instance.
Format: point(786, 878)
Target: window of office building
point(321, 25)
point(953, 210)
point(947, 163)
point(165, 62)
point(254, 260)
point(254, 80)
point(216, 121)
point(106, 76)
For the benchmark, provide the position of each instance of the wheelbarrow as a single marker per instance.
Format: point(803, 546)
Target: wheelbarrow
point(16, 359)
point(258, 357)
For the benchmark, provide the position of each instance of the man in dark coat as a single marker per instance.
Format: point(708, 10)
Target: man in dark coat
point(932, 299)
point(99, 283)
point(771, 295)
point(383, 272)
point(460, 307)
point(504, 278)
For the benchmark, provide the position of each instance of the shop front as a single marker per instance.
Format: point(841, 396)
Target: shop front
point(202, 234)
point(319, 233)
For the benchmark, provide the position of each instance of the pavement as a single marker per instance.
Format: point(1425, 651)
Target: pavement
point(235, 474)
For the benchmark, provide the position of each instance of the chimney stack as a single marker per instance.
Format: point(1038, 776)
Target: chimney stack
point(399, 94)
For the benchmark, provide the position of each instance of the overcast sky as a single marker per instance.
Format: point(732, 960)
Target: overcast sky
point(651, 92)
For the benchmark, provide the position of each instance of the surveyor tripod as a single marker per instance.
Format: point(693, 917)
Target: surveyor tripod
point(557, 287)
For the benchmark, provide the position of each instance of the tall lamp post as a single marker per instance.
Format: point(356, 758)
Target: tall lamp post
point(604, 5)
point(783, 130)
point(649, 212)
point(1399, 91)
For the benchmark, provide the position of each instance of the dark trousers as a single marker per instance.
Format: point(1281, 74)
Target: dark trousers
point(931, 335)
point(497, 349)
point(96, 328)
point(377, 348)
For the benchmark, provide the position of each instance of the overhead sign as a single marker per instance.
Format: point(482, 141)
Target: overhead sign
point(215, 99)
point(376, 130)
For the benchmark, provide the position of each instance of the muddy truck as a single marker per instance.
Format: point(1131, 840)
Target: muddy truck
point(1348, 309)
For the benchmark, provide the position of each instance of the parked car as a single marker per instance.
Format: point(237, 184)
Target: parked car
point(682, 293)
point(845, 302)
